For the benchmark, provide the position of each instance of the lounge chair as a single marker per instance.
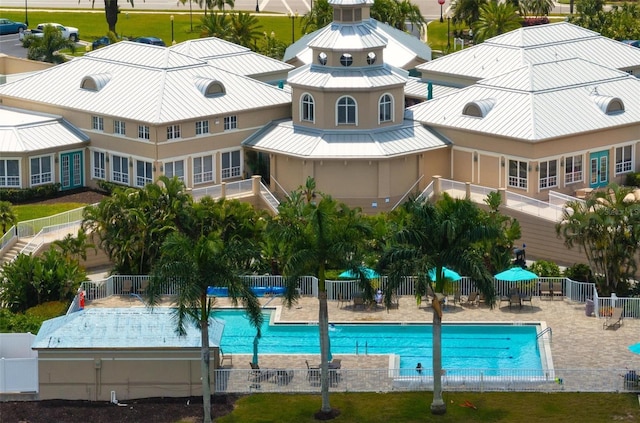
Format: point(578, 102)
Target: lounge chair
point(515, 300)
point(545, 289)
point(527, 298)
point(143, 287)
point(556, 289)
point(259, 375)
point(313, 374)
point(615, 319)
point(358, 301)
point(457, 297)
point(472, 298)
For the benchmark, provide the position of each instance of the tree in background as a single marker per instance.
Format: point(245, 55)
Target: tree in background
point(272, 47)
point(467, 11)
point(535, 7)
point(498, 252)
point(245, 29)
point(8, 217)
point(318, 17)
point(435, 236)
point(397, 13)
point(47, 47)
point(111, 11)
point(321, 234)
point(495, 19)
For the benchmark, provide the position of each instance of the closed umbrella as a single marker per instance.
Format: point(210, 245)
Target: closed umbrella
point(448, 273)
point(516, 274)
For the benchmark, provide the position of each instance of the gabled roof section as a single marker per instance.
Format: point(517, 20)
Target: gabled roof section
point(534, 44)
point(540, 102)
point(401, 51)
point(230, 57)
point(282, 137)
point(349, 37)
point(347, 78)
point(166, 84)
point(121, 328)
point(23, 132)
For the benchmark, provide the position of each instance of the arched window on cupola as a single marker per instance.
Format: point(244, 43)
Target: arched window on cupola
point(385, 109)
point(307, 108)
point(347, 111)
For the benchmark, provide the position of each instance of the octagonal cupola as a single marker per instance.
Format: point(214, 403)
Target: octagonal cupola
point(349, 11)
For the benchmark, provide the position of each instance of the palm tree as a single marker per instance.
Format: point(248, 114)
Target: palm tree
point(215, 25)
point(396, 13)
point(244, 29)
point(196, 264)
point(75, 247)
point(47, 47)
point(111, 11)
point(495, 19)
point(318, 17)
point(467, 11)
point(8, 216)
point(321, 234)
point(436, 236)
point(607, 227)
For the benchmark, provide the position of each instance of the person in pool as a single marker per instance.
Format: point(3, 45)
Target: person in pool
point(419, 368)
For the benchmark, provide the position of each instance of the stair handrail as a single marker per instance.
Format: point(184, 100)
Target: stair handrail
point(37, 241)
point(8, 237)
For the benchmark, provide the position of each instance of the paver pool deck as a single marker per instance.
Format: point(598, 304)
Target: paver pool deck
point(578, 341)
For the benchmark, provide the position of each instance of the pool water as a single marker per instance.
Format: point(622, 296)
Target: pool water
point(464, 346)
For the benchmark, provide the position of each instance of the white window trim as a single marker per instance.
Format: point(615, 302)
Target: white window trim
point(93, 164)
point(203, 133)
point(392, 111)
point(173, 131)
point(623, 164)
point(552, 181)
point(19, 160)
point(112, 169)
point(302, 107)
point(240, 166)
point(232, 118)
point(116, 123)
point(213, 169)
point(148, 180)
point(337, 108)
point(579, 174)
point(518, 178)
point(185, 164)
point(148, 132)
point(100, 121)
point(51, 172)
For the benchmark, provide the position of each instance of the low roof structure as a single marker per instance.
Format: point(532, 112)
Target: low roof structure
point(22, 131)
point(121, 328)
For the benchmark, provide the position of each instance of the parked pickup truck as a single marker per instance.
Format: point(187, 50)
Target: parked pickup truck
point(67, 31)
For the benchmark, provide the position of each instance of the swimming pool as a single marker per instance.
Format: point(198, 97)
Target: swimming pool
point(491, 347)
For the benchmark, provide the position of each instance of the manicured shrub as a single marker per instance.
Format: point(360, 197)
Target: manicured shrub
point(545, 269)
point(579, 272)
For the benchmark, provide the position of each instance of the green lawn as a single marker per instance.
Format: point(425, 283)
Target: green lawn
point(414, 407)
point(35, 211)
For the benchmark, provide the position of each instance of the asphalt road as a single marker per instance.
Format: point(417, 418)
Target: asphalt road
point(11, 46)
point(430, 9)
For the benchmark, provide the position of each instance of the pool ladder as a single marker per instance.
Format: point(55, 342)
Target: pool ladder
point(546, 330)
point(366, 348)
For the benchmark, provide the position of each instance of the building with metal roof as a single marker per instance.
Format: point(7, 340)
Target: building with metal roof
point(354, 30)
point(235, 58)
point(527, 45)
point(562, 125)
point(134, 352)
point(149, 111)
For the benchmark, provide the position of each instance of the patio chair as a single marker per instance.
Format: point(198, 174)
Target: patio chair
point(614, 320)
point(545, 289)
point(126, 287)
point(358, 302)
point(472, 298)
point(556, 289)
point(313, 374)
point(340, 300)
point(527, 298)
point(515, 300)
point(457, 297)
point(143, 287)
point(259, 375)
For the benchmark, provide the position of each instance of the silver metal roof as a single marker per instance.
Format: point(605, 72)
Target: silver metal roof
point(22, 132)
point(349, 37)
point(283, 137)
point(418, 88)
point(230, 57)
point(135, 327)
point(347, 78)
point(349, 2)
point(539, 101)
point(401, 48)
point(534, 44)
point(147, 84)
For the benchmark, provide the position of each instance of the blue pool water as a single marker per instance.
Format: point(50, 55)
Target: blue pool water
point(466, 346)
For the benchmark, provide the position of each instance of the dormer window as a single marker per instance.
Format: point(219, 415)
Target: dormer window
point(346, 59)
point(371, 58)
point(95, 82)
point(209, 87)
point(478, 108)
point(322, 58)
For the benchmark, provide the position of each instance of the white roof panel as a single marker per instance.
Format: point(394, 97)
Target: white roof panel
point(347, 78)
point(284, 138)
point(163, 92)
point(537, 102)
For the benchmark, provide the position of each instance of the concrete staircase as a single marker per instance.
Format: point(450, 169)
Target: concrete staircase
point(13, 252)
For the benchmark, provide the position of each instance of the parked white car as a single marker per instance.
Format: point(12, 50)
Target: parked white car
point(67, 31)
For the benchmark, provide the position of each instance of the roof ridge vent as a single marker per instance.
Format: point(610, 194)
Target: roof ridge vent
point(95, 82)
point(209, 87)
point(479, 108)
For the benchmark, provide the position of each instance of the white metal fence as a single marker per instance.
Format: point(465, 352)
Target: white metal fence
point(388, 380)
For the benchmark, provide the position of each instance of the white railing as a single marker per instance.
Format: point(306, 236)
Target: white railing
point(278, 185)
point(534, 207)
point(426, 193)
point(32, 227)
point(409, 191)
point(7, 237)
point(45, 235)
point(18, 363)
point(454, 188)
point(286, 380)
point(560, 199)
point(230, 189)
point(481, 191)
point(239, 187)
point(268, 196)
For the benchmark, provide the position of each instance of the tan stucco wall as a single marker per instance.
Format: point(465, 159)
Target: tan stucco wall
point(92, 375)
point(10, 65)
